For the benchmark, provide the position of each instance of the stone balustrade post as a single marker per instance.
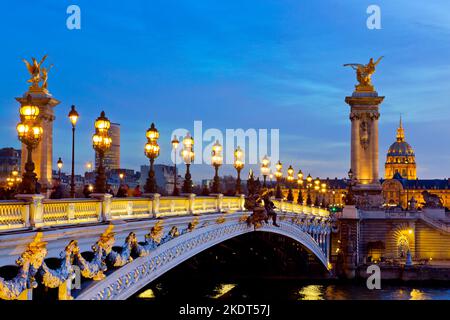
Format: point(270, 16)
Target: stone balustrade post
point(219, 201)
point(71, 211)
point(36, 208)
point(105, 214)
point(191, 202)
point(154, 197)
point(282, 205)
point(242, 202)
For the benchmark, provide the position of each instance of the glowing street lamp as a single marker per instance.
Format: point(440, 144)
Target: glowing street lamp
point(188, 157)
point(323, 191)
point(60, 165)
point(30, 133)
point(238, 165)
point(279, 176)
point(101, 143)
point(73, 117)
point(175, 142)
point(152, 152)
point(300, 187)
point(309, 180)
point(121, 176)
point(216, 162)
point(290, 179)
point(317, 191)
point(265, 169)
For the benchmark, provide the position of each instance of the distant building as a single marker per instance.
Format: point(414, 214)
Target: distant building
point(130, 177)
point(400, 184)
point(112, 156)
point(10, 159)
point(400, 158)
point(164, 176)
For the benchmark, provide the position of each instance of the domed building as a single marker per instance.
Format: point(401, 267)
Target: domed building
point(400, 158)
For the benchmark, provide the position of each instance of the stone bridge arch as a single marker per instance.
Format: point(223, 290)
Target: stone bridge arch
point(129, 279)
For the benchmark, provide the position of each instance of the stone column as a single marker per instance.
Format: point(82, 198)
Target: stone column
point(364, 116)
point(43, 154)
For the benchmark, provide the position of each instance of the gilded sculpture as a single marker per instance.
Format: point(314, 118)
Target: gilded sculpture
point(38, 74)
point(29, 263)
point(364, 74)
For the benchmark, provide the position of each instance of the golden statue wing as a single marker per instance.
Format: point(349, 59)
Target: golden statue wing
point(43, 59)
point(28, 65)
point(379, 59)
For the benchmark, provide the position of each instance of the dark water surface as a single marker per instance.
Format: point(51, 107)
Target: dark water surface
point(267, 267)
point(291, 290)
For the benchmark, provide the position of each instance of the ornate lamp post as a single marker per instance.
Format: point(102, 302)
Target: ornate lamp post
point(101, 143)
point(60, 165)
point(30, 133)
point(300, 187)
point(309, 180)
point(73, 116)
point(188, 156)
point(238, 165)
point(278, 176)
point(317, 191)
point(290, 179)
point(323, 191)
point(175, 143)
point(216, 161)
point(265, 169)
point(121, 176)
point(152, 152)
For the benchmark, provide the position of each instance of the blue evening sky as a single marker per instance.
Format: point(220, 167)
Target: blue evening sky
point(235, 64)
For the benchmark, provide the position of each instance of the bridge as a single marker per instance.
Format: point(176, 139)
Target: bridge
point(116, 246)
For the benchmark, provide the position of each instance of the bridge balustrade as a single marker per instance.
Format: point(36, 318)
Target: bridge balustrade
point(14, 215)
point(38, 212)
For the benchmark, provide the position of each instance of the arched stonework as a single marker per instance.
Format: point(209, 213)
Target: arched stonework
point(392, 192)
point(129, 279)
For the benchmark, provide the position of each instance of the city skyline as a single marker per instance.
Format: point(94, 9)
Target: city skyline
point(169, 73)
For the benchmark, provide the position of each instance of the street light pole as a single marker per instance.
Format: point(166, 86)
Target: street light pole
point(265, 169)
point(238, 165)
point(73, 116)
point(175, 143)
point(101, 143)
point(188, 156)
point(278, 176)
point(216, 161)
point(30, 133)
point(152, 152)
point(300, 187)
point(290, 179)
point(60, 165)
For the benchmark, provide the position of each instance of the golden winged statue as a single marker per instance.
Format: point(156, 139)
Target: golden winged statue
point(38, 73)
point(364, 74)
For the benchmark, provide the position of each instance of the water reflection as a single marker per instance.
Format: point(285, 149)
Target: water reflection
point(311, 292)
point(221, 290)
point(289, 290)
point(360, 292)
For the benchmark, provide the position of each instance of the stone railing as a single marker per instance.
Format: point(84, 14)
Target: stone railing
point(14, 215)
point(441, 225)
point(288, 206)
point(33, 211)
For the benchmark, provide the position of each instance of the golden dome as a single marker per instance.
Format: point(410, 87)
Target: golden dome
point(400, 148)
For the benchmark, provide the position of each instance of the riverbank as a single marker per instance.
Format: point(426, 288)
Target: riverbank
point(421, 273)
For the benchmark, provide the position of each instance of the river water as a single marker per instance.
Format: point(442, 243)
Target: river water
point(291, 290)
point(267, 267)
